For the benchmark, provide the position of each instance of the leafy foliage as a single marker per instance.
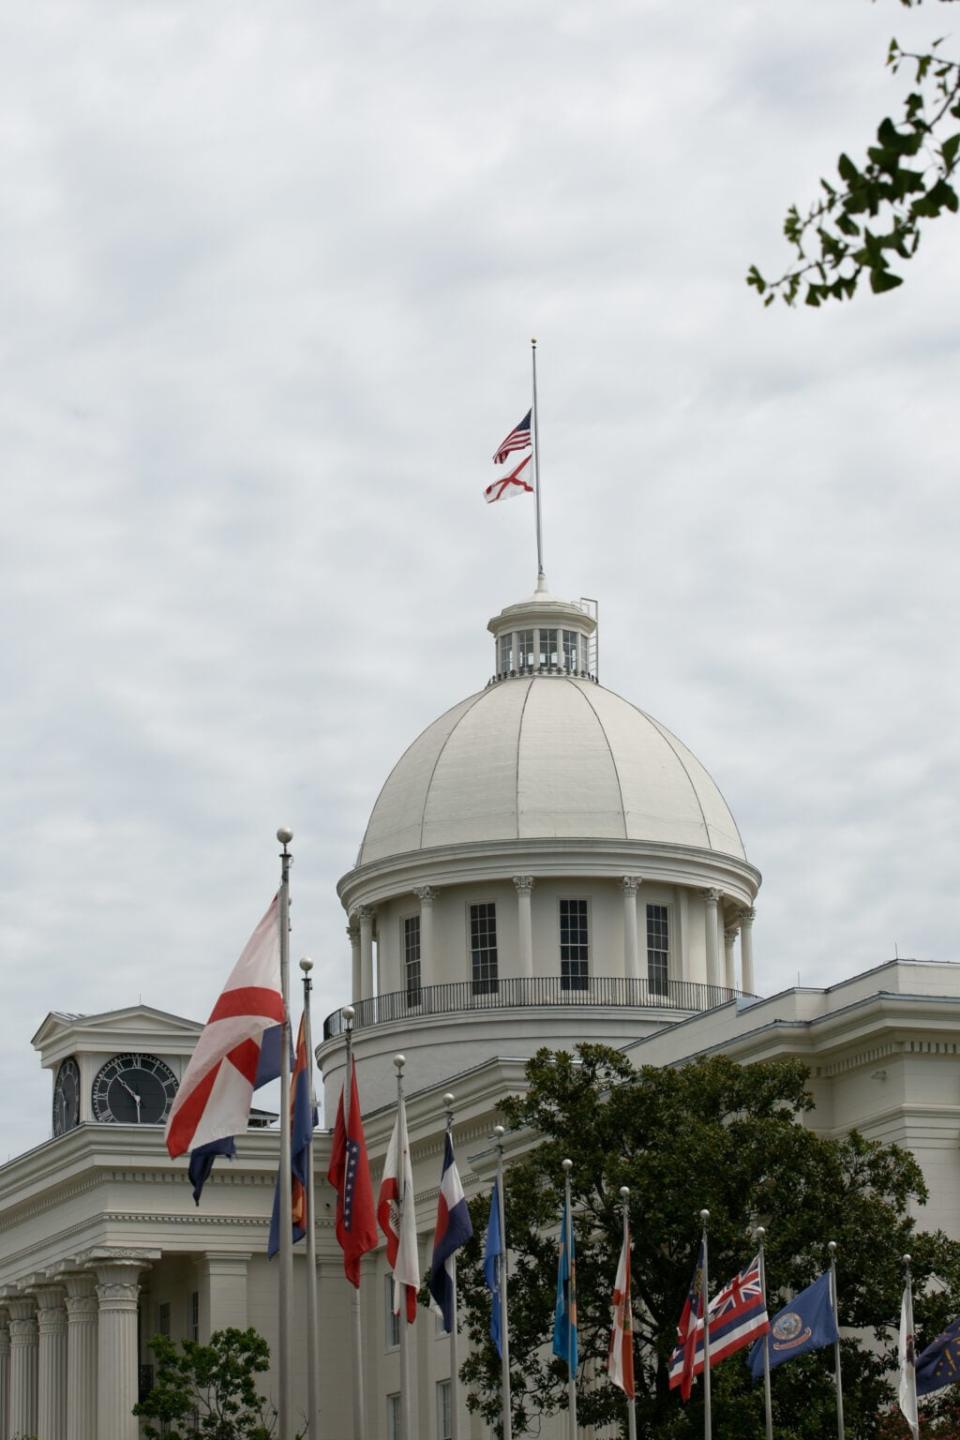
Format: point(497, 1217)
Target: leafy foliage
point(730, 1138)
point(874, 213)
point(209, 1392)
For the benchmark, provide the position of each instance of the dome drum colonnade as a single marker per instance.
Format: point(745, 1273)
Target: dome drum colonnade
point(546, 827)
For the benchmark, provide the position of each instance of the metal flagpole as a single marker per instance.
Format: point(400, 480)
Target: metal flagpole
point(832, 1247)
point(505, 1411)
point(285, 1278)
point(631, 1402)
point(359, 1418)
point(406, 1426)
point(454, 1358)
point(313, 1424)
point(705, 1306)
point(761, 1236)
point(536, 466)
point(567, 1166)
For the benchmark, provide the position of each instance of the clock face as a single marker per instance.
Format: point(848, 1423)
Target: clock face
point(66, 1097)
point(133, 1090)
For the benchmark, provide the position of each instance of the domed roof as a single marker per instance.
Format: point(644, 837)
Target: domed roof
point(547, 756)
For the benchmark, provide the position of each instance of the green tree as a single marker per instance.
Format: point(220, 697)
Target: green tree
point(209, 1392)
point(733, 1139)
point(873, 214)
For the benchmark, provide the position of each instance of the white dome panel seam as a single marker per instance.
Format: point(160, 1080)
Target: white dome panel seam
point(613, 759)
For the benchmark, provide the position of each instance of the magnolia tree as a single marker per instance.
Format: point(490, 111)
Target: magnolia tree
point(735, 1140)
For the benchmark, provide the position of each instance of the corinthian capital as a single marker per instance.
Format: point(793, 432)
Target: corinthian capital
point(631, 884)
point(524, 883)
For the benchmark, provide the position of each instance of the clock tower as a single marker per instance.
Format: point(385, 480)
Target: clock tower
point(118, 1068)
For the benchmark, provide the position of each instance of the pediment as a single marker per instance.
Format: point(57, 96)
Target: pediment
point(133, 1027)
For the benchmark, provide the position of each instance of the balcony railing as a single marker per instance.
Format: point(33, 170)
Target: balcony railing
point(508, 994)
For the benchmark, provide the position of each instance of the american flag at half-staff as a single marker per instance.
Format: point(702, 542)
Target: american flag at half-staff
point(518, 439)
point(738, 1316)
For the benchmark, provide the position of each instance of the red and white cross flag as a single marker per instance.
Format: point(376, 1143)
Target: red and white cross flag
point(397, 1216)
point(214, 1097)
point(509, 485)
point(620, 1357)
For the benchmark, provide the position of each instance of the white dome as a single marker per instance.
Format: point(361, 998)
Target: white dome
point(547, 756)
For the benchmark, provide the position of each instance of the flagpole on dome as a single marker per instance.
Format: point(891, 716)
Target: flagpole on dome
point(403, 1201)
point(705, 1306)
point(832, 1247)
point(631, 1402)
point(452, 1272)
point(505, 1401)
point(761, 1235)
point(536, 469)
point(285, 1277)
point(359, 1417)
point(313, 1358)
point(567, 1166)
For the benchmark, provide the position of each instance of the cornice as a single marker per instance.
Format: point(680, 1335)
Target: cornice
point(479, 861)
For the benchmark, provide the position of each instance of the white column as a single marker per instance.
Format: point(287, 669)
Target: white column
point(117, 1355)
point(51, 1362)
point(426, 895)
point(23, 1366)
point(747, 979)
point(4, 1371)
point(365, 916)
point(353, 931)
point(713, 957)
point(81, 1356)
point(524, 888)
point(631, 941)
point(223, 1292)
point(730, 934)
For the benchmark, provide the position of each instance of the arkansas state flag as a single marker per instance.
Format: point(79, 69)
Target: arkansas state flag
point(213, 1101)
point(349, 1174)
point(303, 1118)
point(620, 1357)
point(453, 1230)
point(397, 1216)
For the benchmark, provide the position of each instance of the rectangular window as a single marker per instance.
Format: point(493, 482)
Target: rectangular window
point(195, 1315)
point(391, 1321)
point(393, 1417)
point(506, 654)
point(570, 638)
point(411, 958)
point(483, 948)
point(584, 653)
point(658, 949)
point(444, 1410)
point(525, 657)
point(548, 648)
point(573, 945)
point(163, 1319)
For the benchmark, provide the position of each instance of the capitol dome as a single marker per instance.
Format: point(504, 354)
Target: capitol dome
point(547, 755)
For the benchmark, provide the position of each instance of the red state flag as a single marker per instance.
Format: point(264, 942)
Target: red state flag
point(349, 1174)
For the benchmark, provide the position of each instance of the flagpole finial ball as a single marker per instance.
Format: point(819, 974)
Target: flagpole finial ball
point(399, 1061)
point(760, 1232)
point(348, 1013)
point(907, 1259)
point(284, 835)
point(566, 1166)
point(832, 1247)
point(306, 965)
point(499, 1131)
point(624, 1192)
point(448, 1099)
point(704, 1216)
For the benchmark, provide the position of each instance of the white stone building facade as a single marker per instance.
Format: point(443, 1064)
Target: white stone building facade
point(545, 864)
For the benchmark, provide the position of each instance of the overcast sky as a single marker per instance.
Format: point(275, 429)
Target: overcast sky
point(267, 281)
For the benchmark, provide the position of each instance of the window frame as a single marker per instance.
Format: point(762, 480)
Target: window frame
point(658, 984)
point(582, 980)
point(482, 984)
point(413, 993)
point(393, 1415)
point(444, 1393)
point(391, 1322)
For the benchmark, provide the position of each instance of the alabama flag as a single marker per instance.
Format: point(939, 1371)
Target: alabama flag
point(213, 1101)
point(620, 1358)
point(397, 1216)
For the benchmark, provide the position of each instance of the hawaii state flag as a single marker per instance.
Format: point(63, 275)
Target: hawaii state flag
point(737, 1315)
point(453, 1230)
point(212, 1104)
point(397, 1217)
point(349, 1174)
point(303, 1117)
point(620, 1357)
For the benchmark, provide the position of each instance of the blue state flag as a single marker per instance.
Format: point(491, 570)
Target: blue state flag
point(565, 1310)
point(805, 1324)
point(492, 1260)
point(303, 1118)
point(939, 1364)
